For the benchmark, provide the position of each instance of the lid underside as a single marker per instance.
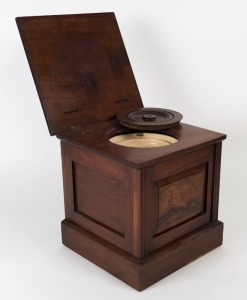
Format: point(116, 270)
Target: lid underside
point(80, 67)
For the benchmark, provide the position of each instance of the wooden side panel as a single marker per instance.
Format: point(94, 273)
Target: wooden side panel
point(182, 196)
point(99, 198)
point(107, 198)
point(95, 193)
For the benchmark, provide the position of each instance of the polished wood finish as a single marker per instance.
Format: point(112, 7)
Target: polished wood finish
point(142, 209)
point(149, 118)
point(181, 197)
point(140, 274)
point(140, 214)
point(80, 67)
point(145, 205)
point(97, 137)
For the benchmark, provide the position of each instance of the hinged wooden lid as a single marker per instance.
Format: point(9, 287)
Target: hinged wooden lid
point(80, 67)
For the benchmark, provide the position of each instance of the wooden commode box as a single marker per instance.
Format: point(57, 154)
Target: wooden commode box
point(140, 210)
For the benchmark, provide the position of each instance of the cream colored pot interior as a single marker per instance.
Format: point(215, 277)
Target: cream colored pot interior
point(143, 140)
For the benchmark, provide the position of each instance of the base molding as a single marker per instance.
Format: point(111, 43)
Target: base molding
point(140, 274)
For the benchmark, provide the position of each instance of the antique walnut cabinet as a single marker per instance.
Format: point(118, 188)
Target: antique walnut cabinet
point(138, 213)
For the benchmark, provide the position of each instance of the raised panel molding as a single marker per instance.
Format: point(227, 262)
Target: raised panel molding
point(99, 198)
point(182, 197)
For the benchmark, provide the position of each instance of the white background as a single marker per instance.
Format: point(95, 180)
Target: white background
point(187, 55)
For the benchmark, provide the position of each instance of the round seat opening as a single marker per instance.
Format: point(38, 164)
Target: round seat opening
point(143, 140)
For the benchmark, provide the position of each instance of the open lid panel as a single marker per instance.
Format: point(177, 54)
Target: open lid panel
point(80, 67)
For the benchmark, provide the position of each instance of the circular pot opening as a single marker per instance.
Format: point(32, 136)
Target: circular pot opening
point(143, 140)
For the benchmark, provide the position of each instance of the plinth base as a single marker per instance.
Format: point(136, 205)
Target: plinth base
point(140, 274)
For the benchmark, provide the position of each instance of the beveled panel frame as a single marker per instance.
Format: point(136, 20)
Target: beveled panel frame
point(175, 170)
point(130, 238)
point(70, 156)
point(99, 198)
point(181, 197)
